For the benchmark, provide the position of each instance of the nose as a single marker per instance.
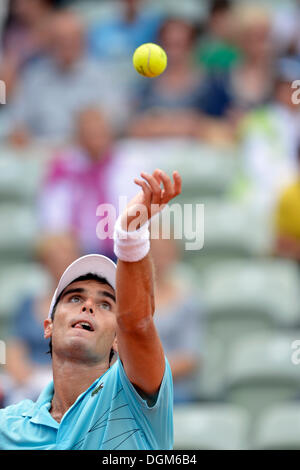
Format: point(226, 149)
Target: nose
point(88, 307)
point(85, 309)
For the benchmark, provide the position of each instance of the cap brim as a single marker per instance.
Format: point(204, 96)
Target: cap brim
point(94, 264)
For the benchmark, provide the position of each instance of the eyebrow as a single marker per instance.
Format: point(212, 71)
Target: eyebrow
point(107, 294)
point(75, 290)
point(81, 290)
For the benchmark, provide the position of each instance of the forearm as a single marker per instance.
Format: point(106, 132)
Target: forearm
point(135, 293)
point(139, 347)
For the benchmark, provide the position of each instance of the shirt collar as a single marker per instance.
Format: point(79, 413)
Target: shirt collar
point(39, 412)
point(45, 397)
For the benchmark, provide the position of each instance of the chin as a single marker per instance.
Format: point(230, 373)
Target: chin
point(76, 348)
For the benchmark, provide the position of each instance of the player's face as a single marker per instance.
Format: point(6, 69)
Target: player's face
point(84, 326)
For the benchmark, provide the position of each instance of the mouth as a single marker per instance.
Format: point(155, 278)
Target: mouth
point(83, 325)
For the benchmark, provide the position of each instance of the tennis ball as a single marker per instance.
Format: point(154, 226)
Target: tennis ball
point(149, 60)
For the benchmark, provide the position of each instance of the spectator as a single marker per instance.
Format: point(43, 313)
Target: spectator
point(80, 178)
point(287, 220)
point(177, 318)
point(117, 38)
point(249, 83)
point(64, 82)
point(269, 140)
point(28, 367)
point(217, 50)
point(170, 104)
point(23, 37)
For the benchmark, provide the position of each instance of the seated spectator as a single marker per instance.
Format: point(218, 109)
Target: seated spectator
point(118, 37)
point(269, 139)
point(216, 49)
point(177, 318)
point(172, 104)
point(23, 37)
point(52, 90)
point(28, 367)
point(168, 105)
point(287, 220)
point(79, 179)
point(249, 83)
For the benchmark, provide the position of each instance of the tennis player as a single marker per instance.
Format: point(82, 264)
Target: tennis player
point(112, 385)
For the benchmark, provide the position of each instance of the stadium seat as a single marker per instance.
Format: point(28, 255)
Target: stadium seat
point(234, 229)
point(92, 11)
point(189, 9)
point(210, 377)
point(21, 174)
point(250, 295)
point(210, 427)
point(205, 171)
point(278, 428)
point(18, 231)
point(260, 372)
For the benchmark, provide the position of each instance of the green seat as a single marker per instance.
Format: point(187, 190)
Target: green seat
point(260, 372)
point(19, 230)
point(279, 428)
point(21, 173)
point(244, 296)
point(210, 427)
point(189, 9)
point(94, 11)
point(205, 171)
point(210, 376)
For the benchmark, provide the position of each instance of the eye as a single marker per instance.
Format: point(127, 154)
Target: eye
point(105, 305)
point(75, 299)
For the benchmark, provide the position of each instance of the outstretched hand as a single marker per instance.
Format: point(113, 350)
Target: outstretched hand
point(157, 190)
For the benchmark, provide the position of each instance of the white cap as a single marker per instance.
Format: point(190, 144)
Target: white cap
point(95, 264)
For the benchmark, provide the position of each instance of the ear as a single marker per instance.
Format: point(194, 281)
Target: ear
point(115, 345)
point(48, 325)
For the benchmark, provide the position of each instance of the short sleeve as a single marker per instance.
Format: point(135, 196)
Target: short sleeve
point(156, 420)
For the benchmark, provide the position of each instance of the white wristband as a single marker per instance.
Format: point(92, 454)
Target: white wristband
point(131, 246)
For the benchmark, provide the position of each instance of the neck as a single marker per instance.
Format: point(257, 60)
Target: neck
point(67, 387)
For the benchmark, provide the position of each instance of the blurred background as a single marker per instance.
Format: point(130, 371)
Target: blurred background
point(79, 124)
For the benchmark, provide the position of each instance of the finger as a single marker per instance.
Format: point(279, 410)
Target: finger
point(177, 183)
point(168, 191)
point(155, 187)
point(157, 177)
point(145, 188)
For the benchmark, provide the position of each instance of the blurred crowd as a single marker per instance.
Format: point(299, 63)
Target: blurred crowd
point(71, 89)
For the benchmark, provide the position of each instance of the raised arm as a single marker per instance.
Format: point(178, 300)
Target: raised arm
point(139, 346)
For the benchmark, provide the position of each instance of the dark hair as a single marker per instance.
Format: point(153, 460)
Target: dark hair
point(10, 20)
point(86, 277)
point(219, 6)
point(191, 26)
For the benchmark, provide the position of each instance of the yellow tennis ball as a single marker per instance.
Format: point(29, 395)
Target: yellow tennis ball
point(149, 60)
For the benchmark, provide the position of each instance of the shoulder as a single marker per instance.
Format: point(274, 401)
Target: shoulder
point(164, 394)
point(16, 411)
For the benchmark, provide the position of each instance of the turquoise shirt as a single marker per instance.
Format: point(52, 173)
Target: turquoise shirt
point(109, 415)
